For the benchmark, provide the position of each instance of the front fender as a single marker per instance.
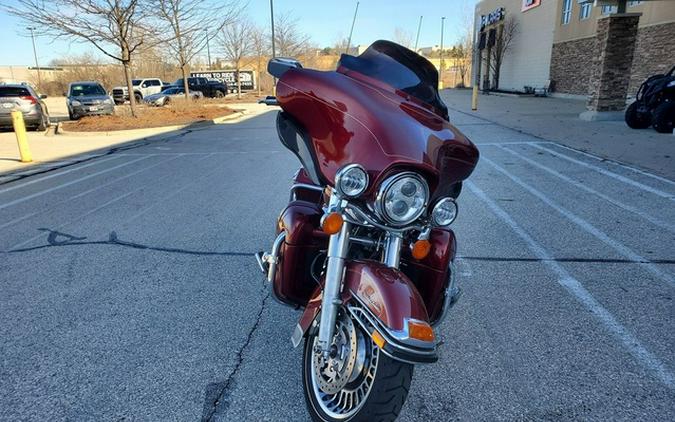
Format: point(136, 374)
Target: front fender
point(380, 299)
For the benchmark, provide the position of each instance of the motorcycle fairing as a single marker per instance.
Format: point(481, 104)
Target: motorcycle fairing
point(349, 118)
point(382, 298)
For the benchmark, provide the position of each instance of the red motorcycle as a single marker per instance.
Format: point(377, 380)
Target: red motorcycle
point(365, 244)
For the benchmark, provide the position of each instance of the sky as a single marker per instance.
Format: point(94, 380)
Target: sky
point(325, 21)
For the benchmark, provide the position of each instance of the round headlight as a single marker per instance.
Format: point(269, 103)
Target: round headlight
point(351, 180)
point(445, 212)
point(402, 198)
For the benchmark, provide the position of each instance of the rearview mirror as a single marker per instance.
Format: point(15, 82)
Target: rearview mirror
point(43, 96)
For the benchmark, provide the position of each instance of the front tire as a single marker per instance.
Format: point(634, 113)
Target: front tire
point(375, 390)
point(664, 117)
point(635, 119)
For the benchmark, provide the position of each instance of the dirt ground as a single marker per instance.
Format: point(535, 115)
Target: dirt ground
point(148, 117)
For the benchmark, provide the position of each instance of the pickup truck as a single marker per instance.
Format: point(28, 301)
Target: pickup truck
point(142, 88)
point(209, 88)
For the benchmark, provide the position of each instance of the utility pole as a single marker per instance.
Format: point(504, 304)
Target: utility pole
point(37, 65)
point(417, 38)
point(208, 48)
point(349, 40)
point(440, 57)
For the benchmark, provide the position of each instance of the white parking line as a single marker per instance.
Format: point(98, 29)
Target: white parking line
point(573, 286)
point(611, 174)
point(52, 205)
point(72, 182)
point(57, 173)
point(616, 163)
point(586, 226)
point(621, 204)
point(496, 144)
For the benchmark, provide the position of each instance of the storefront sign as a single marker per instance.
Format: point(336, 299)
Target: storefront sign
point(529, 4)
point(229, 78)
point(492, 18)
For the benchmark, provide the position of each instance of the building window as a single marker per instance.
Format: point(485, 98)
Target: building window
point(608, 10)
point(634, 3)
point(566, 11)
point(585, 11)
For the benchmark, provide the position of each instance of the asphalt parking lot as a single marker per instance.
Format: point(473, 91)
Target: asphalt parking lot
point(130, 291)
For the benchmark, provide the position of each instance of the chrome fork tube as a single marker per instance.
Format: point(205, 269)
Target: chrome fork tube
point(392, 249)
point(338, 245)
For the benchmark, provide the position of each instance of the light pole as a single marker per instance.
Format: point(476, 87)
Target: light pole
point(274, 51)
point(440, 57)
point(417, 38)
point(208, 48)
point(37, 65)
point(351, 31)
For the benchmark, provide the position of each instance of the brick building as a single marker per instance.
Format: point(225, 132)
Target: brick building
point(584, 48)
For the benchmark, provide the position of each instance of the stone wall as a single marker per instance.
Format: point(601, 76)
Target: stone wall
point(654, 53)
point(612, 59)
point(571, 63)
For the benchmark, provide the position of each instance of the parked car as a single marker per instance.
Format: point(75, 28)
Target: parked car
point(24, 98)
point(210, 88)
point(165, 97)
point(654, 104)
point(142, 88)
point(88, 98)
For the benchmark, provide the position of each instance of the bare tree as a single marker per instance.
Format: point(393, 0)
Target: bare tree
point(403, 37)
point(112, 26)
point(237, 43)
point(290, 42)
point(260, 48)
point(192, 24)
point(505, 35)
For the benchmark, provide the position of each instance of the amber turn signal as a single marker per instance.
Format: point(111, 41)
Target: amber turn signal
point(332, 223)
point(420, 330)
point(421, 249)
point(378, 339)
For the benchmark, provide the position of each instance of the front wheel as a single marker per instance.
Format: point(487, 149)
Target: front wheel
point(664, 117)
point(357, 381)
point(636, 119)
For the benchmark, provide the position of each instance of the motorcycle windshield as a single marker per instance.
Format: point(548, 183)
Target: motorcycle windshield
point(400, 68)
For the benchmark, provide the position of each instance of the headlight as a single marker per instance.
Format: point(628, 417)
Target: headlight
point(75, 103)
point(402, 198)
point(445, 212)
point(107, 101)
point(351, 180)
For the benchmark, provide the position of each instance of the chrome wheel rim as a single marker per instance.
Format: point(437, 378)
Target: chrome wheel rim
point(343, 396)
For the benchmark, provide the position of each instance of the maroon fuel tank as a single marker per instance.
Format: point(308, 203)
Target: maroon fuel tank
point(351, 118)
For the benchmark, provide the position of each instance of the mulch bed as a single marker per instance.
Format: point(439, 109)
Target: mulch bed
point(148, 117)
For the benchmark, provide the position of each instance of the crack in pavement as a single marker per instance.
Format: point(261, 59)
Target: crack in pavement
point(57, 239)
point(217, 403)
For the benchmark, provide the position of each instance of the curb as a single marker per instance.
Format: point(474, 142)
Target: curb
point(153, 130)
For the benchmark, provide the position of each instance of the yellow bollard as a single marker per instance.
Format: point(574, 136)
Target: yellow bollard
point(474, 98)
point(21, 138)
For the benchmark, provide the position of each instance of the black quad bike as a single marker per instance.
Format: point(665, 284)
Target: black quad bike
point(654, 104)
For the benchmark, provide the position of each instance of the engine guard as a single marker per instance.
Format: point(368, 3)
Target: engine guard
point(381, 299)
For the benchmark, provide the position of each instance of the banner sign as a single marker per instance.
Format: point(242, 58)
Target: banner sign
point(529, 4)
point(229, 78)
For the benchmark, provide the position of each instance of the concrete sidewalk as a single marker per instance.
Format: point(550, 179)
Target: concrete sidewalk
point(557, 120)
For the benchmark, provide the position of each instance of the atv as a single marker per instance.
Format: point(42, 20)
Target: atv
point(654, 104)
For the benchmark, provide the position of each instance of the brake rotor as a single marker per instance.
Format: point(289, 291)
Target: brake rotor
point(334, 372)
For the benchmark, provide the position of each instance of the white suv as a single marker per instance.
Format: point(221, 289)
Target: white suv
point(142, 88)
